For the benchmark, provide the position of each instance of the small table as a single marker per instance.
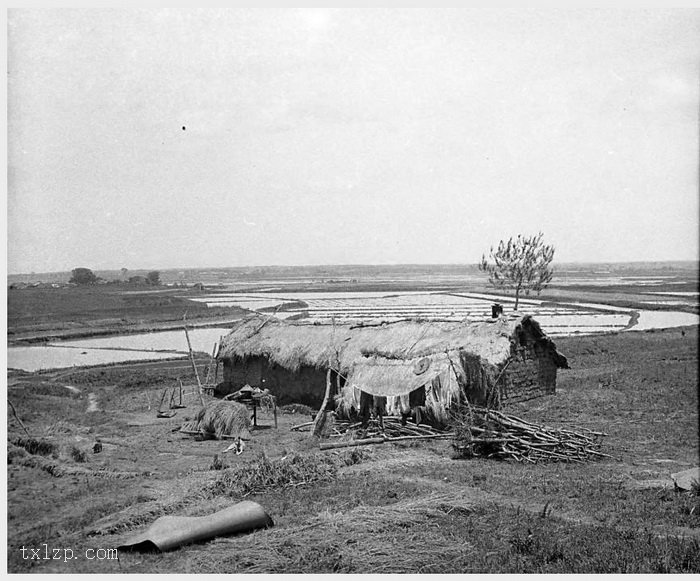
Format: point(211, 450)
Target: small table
point(253, 403)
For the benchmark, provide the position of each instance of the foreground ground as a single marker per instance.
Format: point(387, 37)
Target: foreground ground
point(386, 508)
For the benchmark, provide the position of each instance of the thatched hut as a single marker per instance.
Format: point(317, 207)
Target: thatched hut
point(399, 366)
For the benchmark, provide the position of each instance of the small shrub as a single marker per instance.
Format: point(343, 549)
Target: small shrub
point(695, 488)
point(523, 545)
point(78, 455)
point(354, 456)
point(217, 463)
point(14, 453)
point(34, 446)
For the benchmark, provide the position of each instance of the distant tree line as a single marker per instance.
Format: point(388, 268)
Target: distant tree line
point(85, 276)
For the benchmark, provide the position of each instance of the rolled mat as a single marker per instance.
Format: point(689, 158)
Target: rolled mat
point(170, 532)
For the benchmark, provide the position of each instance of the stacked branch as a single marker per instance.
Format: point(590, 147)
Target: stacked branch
point(492, 434)
point(388, 428)
point(375, 431)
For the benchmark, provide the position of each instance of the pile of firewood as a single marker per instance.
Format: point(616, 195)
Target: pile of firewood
point(475, 432)
point(493, 434)
point(343, 433)
point(388, 428)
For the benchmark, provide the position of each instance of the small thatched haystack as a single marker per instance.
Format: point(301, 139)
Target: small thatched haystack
point(399, 366)
point(222, 418)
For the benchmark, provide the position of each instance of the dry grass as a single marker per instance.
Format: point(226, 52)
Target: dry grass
point(430, 532)
point(222, 418)
point(289, 471)
point(331, 541)
point(59, 466)
point(46, 388)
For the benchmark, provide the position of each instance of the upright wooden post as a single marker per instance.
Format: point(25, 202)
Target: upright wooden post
point(216, 357)
point(162, 399)
point(194, 366)
point(211, 364)
point(320, 420)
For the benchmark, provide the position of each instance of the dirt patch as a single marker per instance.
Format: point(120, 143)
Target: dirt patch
point(92, 403)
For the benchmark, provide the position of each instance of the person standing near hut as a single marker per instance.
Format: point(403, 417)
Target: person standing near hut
point(372, 404)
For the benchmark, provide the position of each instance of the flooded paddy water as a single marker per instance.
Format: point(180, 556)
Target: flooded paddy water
point(113, 349)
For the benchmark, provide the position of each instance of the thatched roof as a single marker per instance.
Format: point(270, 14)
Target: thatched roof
point(295, 345)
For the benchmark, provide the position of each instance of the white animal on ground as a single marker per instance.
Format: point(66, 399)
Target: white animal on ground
point(238, 445)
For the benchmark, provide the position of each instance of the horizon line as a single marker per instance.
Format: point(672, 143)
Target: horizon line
point(459, 264)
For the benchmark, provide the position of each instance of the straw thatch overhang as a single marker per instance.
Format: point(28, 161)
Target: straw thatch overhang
point(396, 377)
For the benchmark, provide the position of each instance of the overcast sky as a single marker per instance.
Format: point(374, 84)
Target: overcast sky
point(185, 138)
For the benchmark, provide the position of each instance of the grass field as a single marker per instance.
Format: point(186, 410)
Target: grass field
point(391, 508)
point(39, 314)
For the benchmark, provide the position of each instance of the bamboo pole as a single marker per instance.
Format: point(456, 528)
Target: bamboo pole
point(351, 443)
point(367, 441)
point(208, 434)
point(162, 399)
point(304, 425)
point(425, 437)
point(194, 366)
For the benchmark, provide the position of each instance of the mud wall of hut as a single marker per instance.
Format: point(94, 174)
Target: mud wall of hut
point(307, 385)
point(532, 371)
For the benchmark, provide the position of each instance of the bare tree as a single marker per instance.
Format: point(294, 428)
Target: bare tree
point(522, 264)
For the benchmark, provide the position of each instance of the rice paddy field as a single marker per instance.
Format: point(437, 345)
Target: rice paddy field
point(557, 319)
